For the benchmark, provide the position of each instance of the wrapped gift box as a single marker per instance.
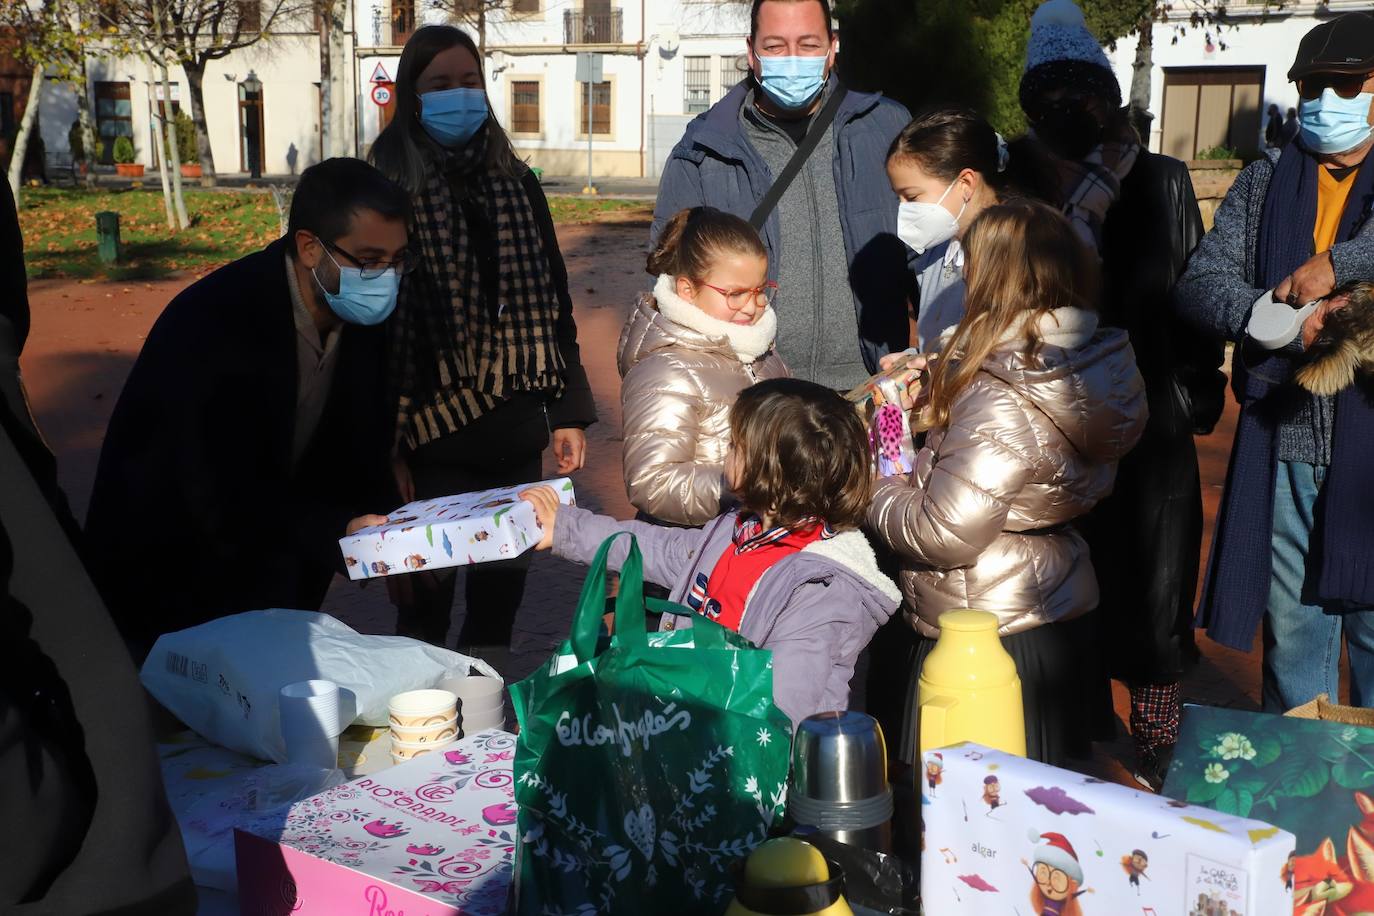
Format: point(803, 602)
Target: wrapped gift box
point(1007, 835)
point(1310, 776)
point(432, 837)
point(452, 531)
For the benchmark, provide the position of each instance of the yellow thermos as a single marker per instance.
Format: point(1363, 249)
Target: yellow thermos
point(969, 689)
point(787, 875)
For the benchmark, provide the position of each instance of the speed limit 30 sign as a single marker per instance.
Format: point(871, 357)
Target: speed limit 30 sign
point(381, 94)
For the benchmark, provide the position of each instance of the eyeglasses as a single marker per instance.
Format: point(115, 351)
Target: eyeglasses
point(1054, 877)
point(1346, 85)
point(372, 269)
point(739, 298)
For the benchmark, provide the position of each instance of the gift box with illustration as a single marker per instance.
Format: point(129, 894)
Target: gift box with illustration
point(878, 401)
point(1311, 776)
point(451, 531)
point(431, 837)
point(1006, 835)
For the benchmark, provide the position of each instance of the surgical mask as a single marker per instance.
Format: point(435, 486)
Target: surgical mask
point(924, 226)
point(362, 301)
point(453, 116)
point(1331, 124)
point(792, 82)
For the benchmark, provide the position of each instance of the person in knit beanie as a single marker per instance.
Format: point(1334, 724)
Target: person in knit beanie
point(1057, 875)
point(1137, 210)
point(1068, 90)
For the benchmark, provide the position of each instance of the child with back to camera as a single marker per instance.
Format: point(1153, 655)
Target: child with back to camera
point(789, 570)
point(1031, 405)
point(704, 334)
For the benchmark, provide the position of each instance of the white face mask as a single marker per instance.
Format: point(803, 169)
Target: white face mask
point(923, 225)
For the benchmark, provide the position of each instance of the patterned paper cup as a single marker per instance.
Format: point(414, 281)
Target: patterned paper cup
point(420, 708)
point(407, 750)
point(426, 734)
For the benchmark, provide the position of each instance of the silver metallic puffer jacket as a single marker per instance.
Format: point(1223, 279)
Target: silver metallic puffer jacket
point(678, 384)
point(1030, 445)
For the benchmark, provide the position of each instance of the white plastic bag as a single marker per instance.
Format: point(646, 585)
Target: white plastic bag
point(222, 678)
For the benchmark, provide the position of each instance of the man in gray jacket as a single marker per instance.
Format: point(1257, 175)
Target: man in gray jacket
point(844, 277)
point(1294, 535)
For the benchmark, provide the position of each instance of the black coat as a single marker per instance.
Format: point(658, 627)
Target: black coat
point(88, 829)
point(196, 511)
point(1145, 537)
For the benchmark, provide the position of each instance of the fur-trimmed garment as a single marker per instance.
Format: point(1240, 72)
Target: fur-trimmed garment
point(1345, 346)
point(681, 371)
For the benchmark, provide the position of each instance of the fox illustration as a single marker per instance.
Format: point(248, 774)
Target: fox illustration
point(1325, 885)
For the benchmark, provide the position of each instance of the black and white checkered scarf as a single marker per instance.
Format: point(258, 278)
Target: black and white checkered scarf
point(477, 321)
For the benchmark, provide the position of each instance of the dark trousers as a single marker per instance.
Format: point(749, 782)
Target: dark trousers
point(500, 449)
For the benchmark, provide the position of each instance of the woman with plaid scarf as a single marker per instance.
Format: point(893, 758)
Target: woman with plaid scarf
point(485, 366)
point(1137, 210)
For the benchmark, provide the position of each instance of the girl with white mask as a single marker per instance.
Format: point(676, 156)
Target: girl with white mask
point(947, 166)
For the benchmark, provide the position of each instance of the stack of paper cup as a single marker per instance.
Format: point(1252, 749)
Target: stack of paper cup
point(480, 703)
point(310, 723)
point(422, 721)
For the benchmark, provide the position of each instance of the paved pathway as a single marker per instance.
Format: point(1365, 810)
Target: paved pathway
point(86, 336)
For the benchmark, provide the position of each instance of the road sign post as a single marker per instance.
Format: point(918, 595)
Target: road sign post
point(589, 71)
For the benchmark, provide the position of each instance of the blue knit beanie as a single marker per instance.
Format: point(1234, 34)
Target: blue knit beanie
point(1062, 52)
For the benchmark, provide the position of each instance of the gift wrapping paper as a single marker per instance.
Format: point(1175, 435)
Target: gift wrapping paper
point(451, 531)
point(1006, 835)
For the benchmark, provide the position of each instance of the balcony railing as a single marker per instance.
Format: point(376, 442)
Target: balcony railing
point(600, 27)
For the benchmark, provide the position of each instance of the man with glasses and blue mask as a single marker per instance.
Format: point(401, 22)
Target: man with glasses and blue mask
point(253, 430)
point(803, 159)
point(1294, 545)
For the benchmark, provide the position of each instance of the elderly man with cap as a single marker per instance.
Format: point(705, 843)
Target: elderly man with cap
point(1137, 209)
point(1295, 534)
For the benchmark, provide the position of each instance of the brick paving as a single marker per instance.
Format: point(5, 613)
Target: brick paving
point(86, 336)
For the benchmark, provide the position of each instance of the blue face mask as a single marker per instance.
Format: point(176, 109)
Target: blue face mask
point(360, 301)
point(453, 116)
point(1331, 124)
point(792, 82)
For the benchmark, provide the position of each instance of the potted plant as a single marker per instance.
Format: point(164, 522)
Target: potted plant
point(187, 150)
point(124, 159)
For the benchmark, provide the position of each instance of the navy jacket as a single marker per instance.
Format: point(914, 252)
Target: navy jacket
point(196, 511)
point(713, 164)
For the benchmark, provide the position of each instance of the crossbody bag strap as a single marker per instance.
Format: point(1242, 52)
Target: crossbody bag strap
point(799, 157)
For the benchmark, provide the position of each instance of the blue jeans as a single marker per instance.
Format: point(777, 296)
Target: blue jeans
point(1302, 638)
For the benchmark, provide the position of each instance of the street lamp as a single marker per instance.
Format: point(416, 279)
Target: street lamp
point(252, 93)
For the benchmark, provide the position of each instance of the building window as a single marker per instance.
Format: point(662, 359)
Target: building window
point(732, 70)
point(402, 21)
point(114, 116)
point(524, 7)
point(601, 109)
point(107, 12)
point(524, 107)
point(696, 84)
point(7, 120)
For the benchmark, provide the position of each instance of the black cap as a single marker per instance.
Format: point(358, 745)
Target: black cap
point(1343, 45)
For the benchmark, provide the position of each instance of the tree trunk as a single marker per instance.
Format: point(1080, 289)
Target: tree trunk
point(173, 153)
point(341, 131)
point(1141, 69)
point(195, 81)
point(482, 34)
point(83, 115)
point(26, 127)
point(326, 12)
point(155, 118)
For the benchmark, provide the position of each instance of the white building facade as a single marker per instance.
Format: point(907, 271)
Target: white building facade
point(1212, 86)
point(663, 61)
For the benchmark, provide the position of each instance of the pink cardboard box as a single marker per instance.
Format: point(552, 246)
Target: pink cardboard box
point(431, 837)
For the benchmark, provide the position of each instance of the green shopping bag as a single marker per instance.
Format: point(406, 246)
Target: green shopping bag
point(646, 764)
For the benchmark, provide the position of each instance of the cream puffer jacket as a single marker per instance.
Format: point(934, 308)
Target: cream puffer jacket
point(1031, 444)
point(681, 370)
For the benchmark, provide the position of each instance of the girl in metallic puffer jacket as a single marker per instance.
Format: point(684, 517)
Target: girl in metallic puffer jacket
point(1031, 405)
point(703, 335)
